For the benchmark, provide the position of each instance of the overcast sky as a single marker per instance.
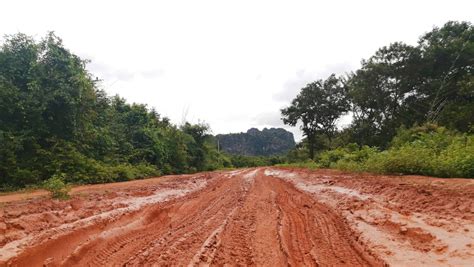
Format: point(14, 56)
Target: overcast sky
point(232, 64)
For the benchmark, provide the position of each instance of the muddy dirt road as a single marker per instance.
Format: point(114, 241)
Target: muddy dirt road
point(263, 217)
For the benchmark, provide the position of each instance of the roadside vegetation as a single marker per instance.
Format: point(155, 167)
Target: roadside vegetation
point(58, 127)
point(427, 150)
point(412, 110)
point(57, 187)
point(56, 122)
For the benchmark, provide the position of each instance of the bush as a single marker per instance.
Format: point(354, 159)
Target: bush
point(425, 150)
point(57, 187)
point(329, 157)
point(457, 160)
point(404, 160)
point(350, 157)
point(309, 164)
point(428, 151)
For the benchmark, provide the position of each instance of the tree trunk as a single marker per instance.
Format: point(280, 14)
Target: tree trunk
point(311, 146)
point(329, 136)
point(311, 150)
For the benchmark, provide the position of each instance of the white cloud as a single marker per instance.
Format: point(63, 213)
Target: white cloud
point(234, 64)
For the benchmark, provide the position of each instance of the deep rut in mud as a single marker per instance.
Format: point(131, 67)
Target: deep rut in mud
point(245, 218)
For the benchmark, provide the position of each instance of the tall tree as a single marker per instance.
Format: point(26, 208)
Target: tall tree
point(46, 95)
point(317, 107)
point(380, 91)
point(407, 85)
point(196, 144)
point(448, 74)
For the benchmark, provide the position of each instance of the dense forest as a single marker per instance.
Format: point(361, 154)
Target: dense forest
point(268, 142)
point(412, 109)
point(54, 121)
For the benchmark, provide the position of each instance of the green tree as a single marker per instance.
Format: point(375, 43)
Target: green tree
point(196, 144)
point(46, 95)
point(317, 107)
point(448, 75)
point(380, 92)
point(54, 120)
point(408, 85)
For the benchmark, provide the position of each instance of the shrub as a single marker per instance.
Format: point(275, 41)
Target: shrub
point(350, 157)
point(457, 160)
point(346, 165)
point(404, 160)
point(426, 150)
point(326, 158)
point(57, 187)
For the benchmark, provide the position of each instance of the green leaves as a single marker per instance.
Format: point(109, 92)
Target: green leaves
point(53, 119)
point(56, 186)
point(317, 107)
point(401, 85)
point(427, 150)
point(407, 85)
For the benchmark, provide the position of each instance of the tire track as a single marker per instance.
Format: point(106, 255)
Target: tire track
point(184, 229)
point(314, 235)
point(239, 218)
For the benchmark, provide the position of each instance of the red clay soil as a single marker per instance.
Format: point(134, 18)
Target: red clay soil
point(263, 217)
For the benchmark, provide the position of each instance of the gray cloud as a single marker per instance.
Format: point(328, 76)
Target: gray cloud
point(293, 85)
point(302, 77)
point(272, 119)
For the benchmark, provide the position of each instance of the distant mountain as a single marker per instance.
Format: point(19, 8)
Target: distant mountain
point(268, 142)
